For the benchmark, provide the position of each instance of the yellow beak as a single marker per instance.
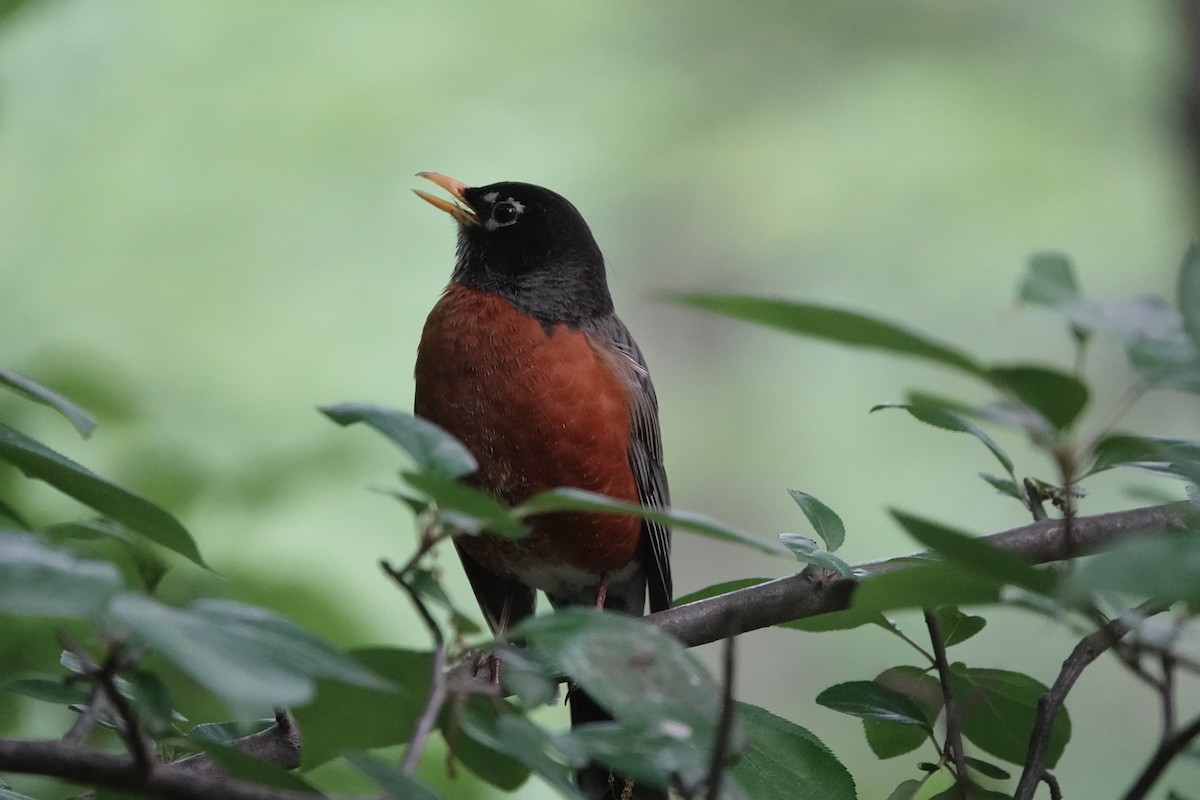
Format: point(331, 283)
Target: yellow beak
point(462, 213)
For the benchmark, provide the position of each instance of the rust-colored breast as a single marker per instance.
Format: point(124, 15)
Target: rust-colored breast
point(538, 409)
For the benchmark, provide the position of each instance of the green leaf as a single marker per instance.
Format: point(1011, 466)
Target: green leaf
point(1005, 486)
point(1189, 294)
point(998, 710)
point(247, 656)
point(1050, 281)
point(974, 792)
point(8, 512)
point(888, 739)
point(657, 691)
point(568, 499)
point(635, 671)
point(824, 520)
point(1165, 566)
point(1150, 452)
point(956, 626)
point(785, 761)
point(519, 739)
point(448, 493)
point(153, 700)
point(48, 688)
point(129, 508)
point(41, 581)
point(833, 324)
point(128, 550)
point(924, 586)
point(835, 621)
point(391, 780)
point(975, 554)
point(1058, 397)
point(807, 551)
point(30, 388)
point(525, 677)
point(987, 769)
point(871, 700)
point(906, 790)
point(346, 716)
point(719, 589)
point(431, 448)
point(497, 768)
point(9, 794)
point(924, 409)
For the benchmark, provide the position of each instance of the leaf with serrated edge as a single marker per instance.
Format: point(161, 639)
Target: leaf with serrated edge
point(784, 760)
point(871, 700)
point(1123, 449)
point(957, 627)
point(1057, 396)
point(824, 519)
point(998, 709)
point(905, 791)
point(889, 739)
point(30, 388)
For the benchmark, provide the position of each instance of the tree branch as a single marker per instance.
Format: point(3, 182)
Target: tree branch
point(1162, 757)
point(953, 730)
point(806, 594)
point(92, 767)
point(1088, 650)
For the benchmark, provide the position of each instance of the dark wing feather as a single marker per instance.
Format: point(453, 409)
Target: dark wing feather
point(504, 603)
point(645, 457)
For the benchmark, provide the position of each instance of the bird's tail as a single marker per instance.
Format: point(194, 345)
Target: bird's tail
point(595, 781)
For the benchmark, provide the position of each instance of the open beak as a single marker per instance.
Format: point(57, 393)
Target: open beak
point(463, 213)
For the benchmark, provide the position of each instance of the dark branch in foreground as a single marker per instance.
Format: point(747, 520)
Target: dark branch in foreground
point(92, 767)
point(806, 595)
point(794, 597)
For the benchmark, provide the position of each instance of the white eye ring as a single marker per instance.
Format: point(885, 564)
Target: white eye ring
point(504, 213)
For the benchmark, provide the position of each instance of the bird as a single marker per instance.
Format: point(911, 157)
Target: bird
point(525, 361)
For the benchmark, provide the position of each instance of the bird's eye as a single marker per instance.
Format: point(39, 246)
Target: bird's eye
point(505, 213)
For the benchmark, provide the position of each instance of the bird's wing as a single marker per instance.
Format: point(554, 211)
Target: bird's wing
point(645, 453)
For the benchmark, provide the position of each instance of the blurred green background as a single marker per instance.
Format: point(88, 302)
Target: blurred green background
point(206, 231)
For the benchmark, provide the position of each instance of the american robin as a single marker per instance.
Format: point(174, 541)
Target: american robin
point(524, 360)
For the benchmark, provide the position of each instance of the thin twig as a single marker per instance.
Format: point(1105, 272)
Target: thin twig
point(1088, 650)
point(130, 729)
point(437, 692)
point(895, 629)
point(87, 718)
point(1168, 693)
point(1052, 784)
point(1167, 751)
point(720, 752)
point(953, 730)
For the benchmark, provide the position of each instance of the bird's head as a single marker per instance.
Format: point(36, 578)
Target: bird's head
point(527, 244)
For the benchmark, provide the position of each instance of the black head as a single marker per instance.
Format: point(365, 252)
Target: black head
point(529, 245)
